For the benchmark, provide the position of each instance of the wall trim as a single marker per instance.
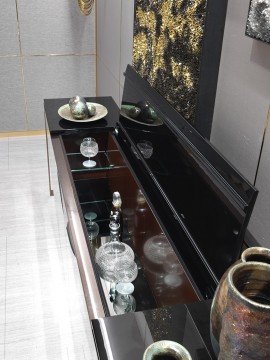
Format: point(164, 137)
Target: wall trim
point(22, 133)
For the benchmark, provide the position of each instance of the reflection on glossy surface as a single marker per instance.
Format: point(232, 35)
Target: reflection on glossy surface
point(205, 212)
point(156, 249)
point(92, 229)
point(146, 148)
point(128, 223)
point(141, 113)
point(210, 201)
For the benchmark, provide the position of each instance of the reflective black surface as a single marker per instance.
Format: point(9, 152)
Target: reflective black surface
point(161, 280)
point(211, 200)
point(57, 125)
point(127, 337)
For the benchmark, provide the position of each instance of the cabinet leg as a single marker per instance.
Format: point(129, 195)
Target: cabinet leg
point(51, 193)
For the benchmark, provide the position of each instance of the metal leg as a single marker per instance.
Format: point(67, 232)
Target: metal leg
point(51, 193)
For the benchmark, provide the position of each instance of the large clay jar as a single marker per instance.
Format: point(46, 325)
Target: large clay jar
point(258, 254)
point(245, 332)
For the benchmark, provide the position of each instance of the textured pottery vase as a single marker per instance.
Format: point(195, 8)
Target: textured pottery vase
point(166, 349)
point(245, 332)
point(258, 254)
point(78, 108)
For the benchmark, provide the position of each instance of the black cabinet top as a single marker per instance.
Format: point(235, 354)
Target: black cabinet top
point(57, 125)
point(127, 336)
point(210, 200)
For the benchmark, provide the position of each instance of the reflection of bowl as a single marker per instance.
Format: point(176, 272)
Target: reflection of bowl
point(146, 148)
point(171, 264)
point(167, 350)
point(134, 113)
point(156, 249)
point(173, 280)
point(147, 113)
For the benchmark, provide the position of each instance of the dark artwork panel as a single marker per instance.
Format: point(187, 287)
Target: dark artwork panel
point(258, 24)
point(168, 42)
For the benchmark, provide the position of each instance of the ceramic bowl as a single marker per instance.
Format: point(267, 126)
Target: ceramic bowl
point(170, 349)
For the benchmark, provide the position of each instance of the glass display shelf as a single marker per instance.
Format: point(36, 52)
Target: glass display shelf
point(105, 160)
point(143, 294)
point(161, 279)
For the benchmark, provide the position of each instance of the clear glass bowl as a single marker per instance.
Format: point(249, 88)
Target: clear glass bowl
point(108, 255)
point(125, 270)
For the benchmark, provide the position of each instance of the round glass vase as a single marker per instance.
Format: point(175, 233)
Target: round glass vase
point(107, 256)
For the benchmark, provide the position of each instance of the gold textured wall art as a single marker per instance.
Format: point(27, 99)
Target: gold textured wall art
point(86, 6)
point(167, 49)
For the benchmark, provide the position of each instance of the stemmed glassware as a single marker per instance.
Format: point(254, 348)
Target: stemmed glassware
point(124, 302)
point(89, 148)
point(92, 229)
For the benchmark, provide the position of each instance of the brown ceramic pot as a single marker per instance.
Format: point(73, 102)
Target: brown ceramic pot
point(245, 332)
point(258, 254)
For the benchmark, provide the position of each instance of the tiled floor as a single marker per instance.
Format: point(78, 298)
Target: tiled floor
point(42, 310)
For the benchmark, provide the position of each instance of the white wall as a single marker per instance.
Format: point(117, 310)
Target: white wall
point(242, 103)
point(114, 45)
point(47, 50)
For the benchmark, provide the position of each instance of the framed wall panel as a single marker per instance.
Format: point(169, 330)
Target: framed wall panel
point(177, 47)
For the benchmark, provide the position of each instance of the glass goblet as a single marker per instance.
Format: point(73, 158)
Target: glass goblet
point(92, 229)
point(89, 148)
point(124, 302)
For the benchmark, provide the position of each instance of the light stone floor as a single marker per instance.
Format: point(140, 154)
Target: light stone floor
point(43, 314)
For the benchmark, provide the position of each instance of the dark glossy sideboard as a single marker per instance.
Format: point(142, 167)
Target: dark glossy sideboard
point(85, 190)
point(180, 275)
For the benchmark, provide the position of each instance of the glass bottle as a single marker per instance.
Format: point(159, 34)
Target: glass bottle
point(116, 212)
point(141, 226)
point(114, 231)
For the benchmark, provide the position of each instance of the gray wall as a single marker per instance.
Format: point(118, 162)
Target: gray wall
point(47, 50)
point(114, 45)
point(242, 103)
point(242, 100)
